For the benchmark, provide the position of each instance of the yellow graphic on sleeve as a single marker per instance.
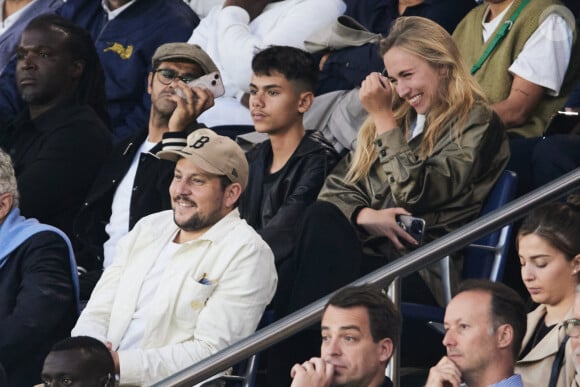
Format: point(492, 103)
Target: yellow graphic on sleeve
point(123, 52)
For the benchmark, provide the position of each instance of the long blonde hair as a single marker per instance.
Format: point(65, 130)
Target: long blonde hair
point(457, 93)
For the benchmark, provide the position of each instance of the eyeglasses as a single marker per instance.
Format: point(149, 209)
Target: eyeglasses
point(166, 76)
point(572, 327)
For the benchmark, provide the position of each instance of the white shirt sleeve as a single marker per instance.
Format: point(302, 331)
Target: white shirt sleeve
point(202, 7)
point(545, 56)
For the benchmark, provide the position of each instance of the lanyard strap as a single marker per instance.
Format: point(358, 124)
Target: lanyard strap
point(498, 37)
point(557, 364)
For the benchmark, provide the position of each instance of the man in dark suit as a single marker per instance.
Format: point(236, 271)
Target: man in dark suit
point(360, 329)
point(37, 291)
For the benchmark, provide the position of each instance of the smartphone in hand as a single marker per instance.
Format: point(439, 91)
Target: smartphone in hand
point(212, 82)
point(413, 226)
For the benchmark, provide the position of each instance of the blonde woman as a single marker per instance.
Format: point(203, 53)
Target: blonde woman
point(549, 252)
point(430, 147)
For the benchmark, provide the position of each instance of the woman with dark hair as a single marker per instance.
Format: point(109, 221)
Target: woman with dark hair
point(549, 249)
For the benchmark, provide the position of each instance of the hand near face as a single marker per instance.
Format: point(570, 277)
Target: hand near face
point(444, 374)
point(312, 373)
point(196, 101)
point(253, 7)
point(384, 223)
point(323, 61)
point(376, 97)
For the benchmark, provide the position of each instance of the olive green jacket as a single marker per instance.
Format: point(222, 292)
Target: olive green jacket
point(447, 189)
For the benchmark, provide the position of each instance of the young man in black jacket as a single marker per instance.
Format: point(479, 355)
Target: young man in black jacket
point(287, 170)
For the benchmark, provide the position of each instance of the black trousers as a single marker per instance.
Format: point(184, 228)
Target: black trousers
point(327, 256)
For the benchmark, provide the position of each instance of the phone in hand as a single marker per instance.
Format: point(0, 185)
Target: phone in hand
point(413, 226)
point(212, 82)
point(563, 123)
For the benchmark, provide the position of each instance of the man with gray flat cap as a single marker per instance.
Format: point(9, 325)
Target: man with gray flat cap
point(187, 282)
point(132, 182)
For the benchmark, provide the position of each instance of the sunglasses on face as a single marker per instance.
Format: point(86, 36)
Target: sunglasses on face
point(166, 76)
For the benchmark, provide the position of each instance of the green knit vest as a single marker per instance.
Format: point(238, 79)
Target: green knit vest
point(494, 76)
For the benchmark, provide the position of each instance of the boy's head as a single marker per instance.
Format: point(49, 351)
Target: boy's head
point(296, 65)
point(282, 88)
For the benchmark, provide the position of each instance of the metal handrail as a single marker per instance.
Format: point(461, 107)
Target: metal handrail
point(413, 261)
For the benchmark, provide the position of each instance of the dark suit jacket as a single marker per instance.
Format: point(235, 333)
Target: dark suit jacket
point(37, 305)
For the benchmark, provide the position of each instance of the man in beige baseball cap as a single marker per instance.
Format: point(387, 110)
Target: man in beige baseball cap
point(218, 155)
point(185, 282)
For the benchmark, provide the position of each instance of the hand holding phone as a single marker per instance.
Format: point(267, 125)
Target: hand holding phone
point(563, 122)
point(212, 82)
point(413, 226)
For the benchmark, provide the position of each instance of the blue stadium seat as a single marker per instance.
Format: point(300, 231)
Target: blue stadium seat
point(485, 258)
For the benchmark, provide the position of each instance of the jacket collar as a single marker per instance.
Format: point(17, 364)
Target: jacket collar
point(548, 346)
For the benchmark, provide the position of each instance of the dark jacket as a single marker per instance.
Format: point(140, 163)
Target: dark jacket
point(56, 158)
point(150, 194)
point(37, 305)
point(275, 213)
point(387, 383)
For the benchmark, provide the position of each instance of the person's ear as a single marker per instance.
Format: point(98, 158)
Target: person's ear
point(150, 82)
point(444, 72)
point(6, 201)
point(576, 265)
point(505, 336)
point(232, 194)
point(305, 101)
point(78, 68)
point(385, 348)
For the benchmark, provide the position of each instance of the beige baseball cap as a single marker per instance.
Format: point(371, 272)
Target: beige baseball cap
point(184, 51)
point(215, 154)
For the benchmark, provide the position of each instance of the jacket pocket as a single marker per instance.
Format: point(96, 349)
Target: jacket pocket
point(192, 300)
